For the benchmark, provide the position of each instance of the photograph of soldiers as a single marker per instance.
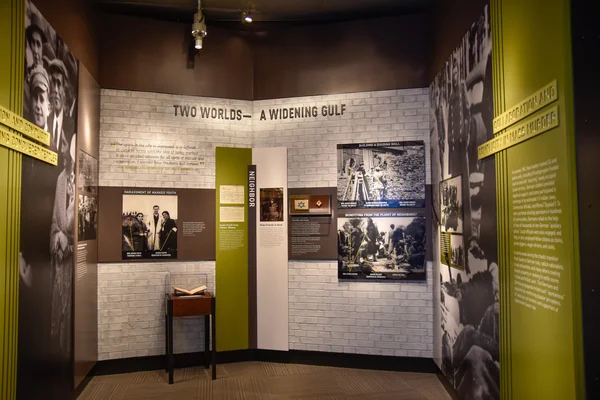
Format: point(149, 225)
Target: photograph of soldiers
point(87, 221)
point(451, 206)
point(380, 175)
point(149, 226)
point(381, 247)
point(48, 211)
point(461, 120)
point(271, 204)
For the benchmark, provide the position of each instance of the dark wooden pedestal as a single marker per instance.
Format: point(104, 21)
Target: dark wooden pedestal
point(191, 306)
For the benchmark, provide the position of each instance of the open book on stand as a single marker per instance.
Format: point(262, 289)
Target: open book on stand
point(189, 292)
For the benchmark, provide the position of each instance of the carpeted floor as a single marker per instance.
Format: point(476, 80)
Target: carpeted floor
point(260, 380)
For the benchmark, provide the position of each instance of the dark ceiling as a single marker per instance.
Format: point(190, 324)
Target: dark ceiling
point(265, 11)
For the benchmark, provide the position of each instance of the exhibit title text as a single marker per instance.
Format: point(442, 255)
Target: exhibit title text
point(301, 112)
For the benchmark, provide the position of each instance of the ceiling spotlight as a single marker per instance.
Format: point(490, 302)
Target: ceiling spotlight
point(247, 16)
point(198, 27)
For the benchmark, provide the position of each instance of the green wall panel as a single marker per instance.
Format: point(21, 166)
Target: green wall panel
point(12, 20)
point(232, 253)
point(541, 354)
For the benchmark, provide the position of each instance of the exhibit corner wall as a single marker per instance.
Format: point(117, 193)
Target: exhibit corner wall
point(325, 314)
point(523, 163)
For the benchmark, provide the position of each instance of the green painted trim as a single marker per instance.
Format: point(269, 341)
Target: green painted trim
point(12, 39)
point(231, 271)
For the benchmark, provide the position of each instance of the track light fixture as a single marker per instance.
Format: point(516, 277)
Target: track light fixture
point(247, 16)
point(198, 27)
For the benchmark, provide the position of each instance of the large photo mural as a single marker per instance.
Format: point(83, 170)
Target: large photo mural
point(465, 217)
point(48, 211)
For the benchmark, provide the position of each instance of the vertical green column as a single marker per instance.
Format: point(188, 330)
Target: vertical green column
point(12, 42)
point(541, 352)
point(232, 252)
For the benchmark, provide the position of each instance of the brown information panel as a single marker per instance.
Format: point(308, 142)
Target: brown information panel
point(130, 228)
point(313, 237)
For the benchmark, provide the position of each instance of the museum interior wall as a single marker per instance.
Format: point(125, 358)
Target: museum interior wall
point(165, 61)
point(324, 314)
point(343, 57)
point(182, 128)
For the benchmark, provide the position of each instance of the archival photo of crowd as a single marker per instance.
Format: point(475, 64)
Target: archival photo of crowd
point(381, 248)
point(48, 212)
point(271, 204)
point(461, 120)
point(451, 205)
point(381, 175)
point(149, 227)
point(88, 218)
point(88, 173)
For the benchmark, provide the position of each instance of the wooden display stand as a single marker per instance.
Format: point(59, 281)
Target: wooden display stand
point(191, 306)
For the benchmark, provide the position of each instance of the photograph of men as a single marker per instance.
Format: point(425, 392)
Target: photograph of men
point(48, 207)
point(271, 204)
point(152, 234)
point(87, 221)
point(381, 174)
point(381, 248)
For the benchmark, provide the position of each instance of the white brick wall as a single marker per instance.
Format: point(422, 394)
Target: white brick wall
point(390, 319)
point(141, 117)
point(131, 309)
point(325, 315)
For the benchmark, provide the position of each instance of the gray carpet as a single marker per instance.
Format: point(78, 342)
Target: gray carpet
point(260, 380)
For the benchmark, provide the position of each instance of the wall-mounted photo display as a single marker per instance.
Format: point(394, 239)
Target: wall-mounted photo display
point(382, 246)
point(271, 204)
point(381, 175)
point(149, 225)
point(451, 205)
point(310, 204)
point(88, 218)
point(88, 173)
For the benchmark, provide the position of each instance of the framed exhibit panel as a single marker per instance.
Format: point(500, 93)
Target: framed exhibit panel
point(156, 224)
point(381, 175)
point(382, 246)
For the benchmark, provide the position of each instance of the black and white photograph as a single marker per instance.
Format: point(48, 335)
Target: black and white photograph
point(381, 175)
point(271, 204)
point(88, 218)
point(48, 212)
point(88, 173)
point(461, 98)
point(381, 248)
point(451, 206)
point(457, 252)
point(149, 226)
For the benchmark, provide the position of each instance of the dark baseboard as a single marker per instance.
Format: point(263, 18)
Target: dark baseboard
point(448, 386)
point(343, 360)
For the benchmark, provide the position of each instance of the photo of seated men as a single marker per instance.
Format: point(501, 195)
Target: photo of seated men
point(150, 234)
point(387, 248)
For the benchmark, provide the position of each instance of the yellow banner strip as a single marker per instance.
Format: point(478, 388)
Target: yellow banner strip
point(526, 130)
point(533, 103)
point(23, 126)
point(25, 146)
